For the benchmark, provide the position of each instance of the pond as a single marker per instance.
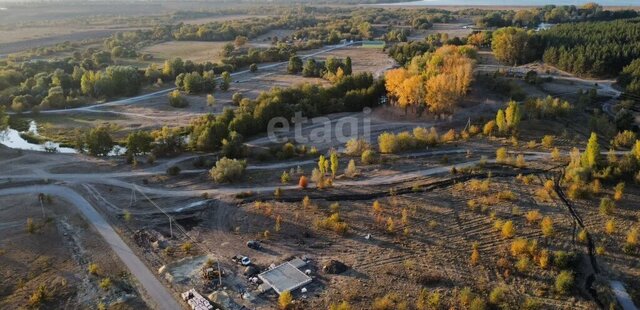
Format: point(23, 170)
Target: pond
point(15, 140)
point(12, 138)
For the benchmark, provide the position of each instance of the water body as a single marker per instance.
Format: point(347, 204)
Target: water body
point(12, 139)
point(516, 3)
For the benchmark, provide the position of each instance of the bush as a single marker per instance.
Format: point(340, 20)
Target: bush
point(105, 284)
point(508, 230)
point(523, 264)
point(564, 282)
point(607, 206)
point(285, 177)
point(93, 269)
point(39, 296)
point(547, 227)
point(501, 155)
point(497, 295)
point(610, 227)
point(334, 223)
point(369, 157)
point(284, 300)
point(351, 170)
point(173, 170)
point(478, 304)
point(533, 216)
point(356, 147)
point(227, 170)
point(547, 141)
point(618, 191)
point(176, 100)
point(563, 260)
point(625, 139)
point(303, 182)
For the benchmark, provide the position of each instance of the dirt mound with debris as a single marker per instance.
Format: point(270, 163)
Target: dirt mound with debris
point(334, 267)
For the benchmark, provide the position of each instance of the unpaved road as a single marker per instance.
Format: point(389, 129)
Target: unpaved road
point(160, 296)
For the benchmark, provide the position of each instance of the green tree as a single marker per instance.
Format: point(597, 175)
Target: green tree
point(226, 81)
point(295, 65)
point(309, 68)
point(348, 70)
point(139, 142)
point(253, 68)
point(98, 141)
point(591, 154)
point(334, 163)
point(501, 122)
point(512, 115)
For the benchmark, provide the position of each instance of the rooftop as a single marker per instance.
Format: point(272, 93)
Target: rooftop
point(284, 277)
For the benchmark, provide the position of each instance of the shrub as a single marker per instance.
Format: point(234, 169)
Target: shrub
point(31, 226)
point(285, 177)
point(625, 139)
point(508, 230)
point(502, 155)
point(355, 147)
point(303, 182)
point(341, 306)
point(105, 284)
point(227, 170)
point(555, 154)
point(176, 99)
point(610, 227)
point(547, 141)
point(306, 202)
point(288, 150)
point(351, 170)
point(519, 246)
point(426, 137)
point(533, 216)
point(497, 295)
point(607, 206)
point(39, 296)
point(449, 136)
point(547, 227)
point(523, 264)
point(466, 297)
point(334, 223)
point(618, 191)
point(285, 300)
point(478, 303)
point(173, 170)
point(475, 255)
point(488, 128)
point(186, 247)
point(600, 250)
point(369, 157)
point(520, 161)
point(562, 259)
point(543, 259)
point(564, 282)
point(582, 236)
point(632, 237)
point(93, 269)
point(277, 193)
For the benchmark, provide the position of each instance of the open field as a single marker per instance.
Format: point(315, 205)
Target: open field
point(187, 50)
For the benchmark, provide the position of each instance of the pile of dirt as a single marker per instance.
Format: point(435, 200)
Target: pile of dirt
point(334, 267)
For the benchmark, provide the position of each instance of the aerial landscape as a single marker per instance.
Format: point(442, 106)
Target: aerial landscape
point(334, 154)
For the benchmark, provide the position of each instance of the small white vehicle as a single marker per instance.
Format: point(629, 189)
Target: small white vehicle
point(245, 261)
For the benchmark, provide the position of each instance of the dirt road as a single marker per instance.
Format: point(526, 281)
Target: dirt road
point(160, 296)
